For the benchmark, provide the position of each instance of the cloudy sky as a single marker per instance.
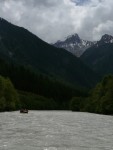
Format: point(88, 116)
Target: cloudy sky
point(52, 20)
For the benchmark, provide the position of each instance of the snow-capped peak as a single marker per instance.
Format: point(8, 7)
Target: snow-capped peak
point(74, 44)
point(77, 46)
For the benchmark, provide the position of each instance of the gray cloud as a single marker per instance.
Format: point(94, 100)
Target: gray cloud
point(52, 20)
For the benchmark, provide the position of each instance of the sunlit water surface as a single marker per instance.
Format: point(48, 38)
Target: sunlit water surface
point(55, 130)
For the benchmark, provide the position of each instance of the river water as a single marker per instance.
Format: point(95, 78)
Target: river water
point(55, 130)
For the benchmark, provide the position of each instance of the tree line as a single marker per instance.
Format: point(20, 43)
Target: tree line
point(100, 99)
point(36, 90)
point(20, 88)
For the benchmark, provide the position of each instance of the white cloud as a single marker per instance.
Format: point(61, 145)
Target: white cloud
point(52, 20)
point(105, 27)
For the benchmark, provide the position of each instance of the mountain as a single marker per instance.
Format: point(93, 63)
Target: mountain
point(105, 39)
point(20, 46)
point(74, 44)
point(100, 56)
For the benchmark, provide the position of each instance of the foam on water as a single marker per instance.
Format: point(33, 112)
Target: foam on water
point(55, 130)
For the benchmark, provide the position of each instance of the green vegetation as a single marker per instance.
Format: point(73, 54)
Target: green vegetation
point(76, 103)
point(100, 99)
point(40, 91)
point(9, 99)
point(35, 102)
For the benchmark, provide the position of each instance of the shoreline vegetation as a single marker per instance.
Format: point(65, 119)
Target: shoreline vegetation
point(97, 100)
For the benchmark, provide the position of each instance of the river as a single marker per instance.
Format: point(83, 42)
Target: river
point(55, 130)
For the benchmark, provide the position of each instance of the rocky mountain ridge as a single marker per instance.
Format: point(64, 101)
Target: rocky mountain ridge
point(74, 44)
point(78, 46)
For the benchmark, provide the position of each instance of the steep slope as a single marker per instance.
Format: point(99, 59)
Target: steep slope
point(74, 44)
point(20, 46)
point(100, 56)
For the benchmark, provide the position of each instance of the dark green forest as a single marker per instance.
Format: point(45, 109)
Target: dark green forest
point(9, 99)
point(20, 46)
point(37, 91)
point(99, 100)
point(61, 97)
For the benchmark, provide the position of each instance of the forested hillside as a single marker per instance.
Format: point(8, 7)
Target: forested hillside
point(36, 85)
point(18, 45)
point(100, 99)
